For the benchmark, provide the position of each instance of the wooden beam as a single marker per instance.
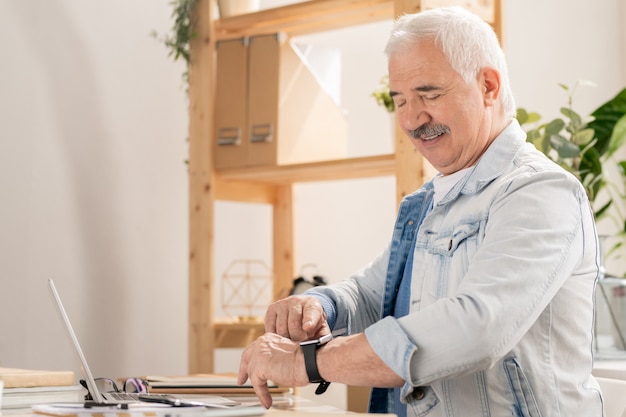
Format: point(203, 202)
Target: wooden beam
point(233, 334)
point(283, 250)
point(305, 17)
point(201, 194)
point(363, 167)
point(410, 168)
point(245, 191)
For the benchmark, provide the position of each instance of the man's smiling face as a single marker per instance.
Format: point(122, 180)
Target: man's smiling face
point(447, 119)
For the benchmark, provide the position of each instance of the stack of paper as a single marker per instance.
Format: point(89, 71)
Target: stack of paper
point(14, 377)
point(26, 387)
point(14, 398)
point(205, 384)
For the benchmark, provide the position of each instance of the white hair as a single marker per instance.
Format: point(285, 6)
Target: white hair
point(468, 42)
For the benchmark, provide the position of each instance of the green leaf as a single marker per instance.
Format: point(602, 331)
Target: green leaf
point(532, 117)
point(532, 135)
point(601, 212)
point(572, 115)
point(544, 144)
point(554, 127)
point(583, 137)
point(606, 116)
point(590, 171)
point(564, 147)
point(618, 136)
point(522, 116)
point(586, 147)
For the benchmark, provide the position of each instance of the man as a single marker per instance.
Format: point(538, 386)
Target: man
point(482, 304)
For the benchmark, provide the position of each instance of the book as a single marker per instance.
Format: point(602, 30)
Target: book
point(13, 398)
point(15, 377)
point(205, 384)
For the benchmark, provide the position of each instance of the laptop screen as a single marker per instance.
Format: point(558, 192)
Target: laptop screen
point(91, 383)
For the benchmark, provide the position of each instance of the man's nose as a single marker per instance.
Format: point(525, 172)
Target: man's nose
point(413, 116)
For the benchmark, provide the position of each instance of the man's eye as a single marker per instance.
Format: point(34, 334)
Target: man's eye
point(431, 96)
point(399, 102)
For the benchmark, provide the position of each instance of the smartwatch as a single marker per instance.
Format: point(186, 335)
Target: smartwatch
point(309, 349)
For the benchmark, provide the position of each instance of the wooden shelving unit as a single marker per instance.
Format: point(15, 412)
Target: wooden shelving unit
point(269, 185)
point(307, 17)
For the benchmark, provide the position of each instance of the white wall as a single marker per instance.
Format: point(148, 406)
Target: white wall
point(94, 189)
point(93, 122)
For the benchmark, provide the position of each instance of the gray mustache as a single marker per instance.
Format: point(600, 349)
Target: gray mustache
point(428, 130)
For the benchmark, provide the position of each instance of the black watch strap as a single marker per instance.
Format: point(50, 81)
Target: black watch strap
point(310, 362)
point(309, 350)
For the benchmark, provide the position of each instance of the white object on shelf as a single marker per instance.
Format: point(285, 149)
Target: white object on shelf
point(234, 7)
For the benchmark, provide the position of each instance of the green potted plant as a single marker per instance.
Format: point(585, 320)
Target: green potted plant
point(382, 96)
point(586, 147)
point(182, 32)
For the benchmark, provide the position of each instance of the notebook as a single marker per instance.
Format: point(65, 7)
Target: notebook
point(107, 398)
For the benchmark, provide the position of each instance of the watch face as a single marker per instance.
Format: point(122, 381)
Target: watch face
point(321, 341)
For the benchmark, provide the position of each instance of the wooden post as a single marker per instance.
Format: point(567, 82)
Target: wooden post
point(410, 165)
point(283, 239)
point(201, 193)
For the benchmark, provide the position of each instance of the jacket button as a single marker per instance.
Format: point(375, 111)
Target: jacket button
point(418, 393)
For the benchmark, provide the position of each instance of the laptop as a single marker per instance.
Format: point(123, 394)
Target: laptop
point(123, 399)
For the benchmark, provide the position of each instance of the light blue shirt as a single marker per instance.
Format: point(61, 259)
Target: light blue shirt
point(501, 305)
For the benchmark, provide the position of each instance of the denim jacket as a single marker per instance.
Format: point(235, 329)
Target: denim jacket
point(503, 277)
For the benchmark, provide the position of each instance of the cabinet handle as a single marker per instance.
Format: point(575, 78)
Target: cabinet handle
point(229, 136)
point(261, 133)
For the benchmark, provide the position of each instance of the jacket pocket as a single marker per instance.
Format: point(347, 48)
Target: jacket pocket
point(525, 404)
point(451, 250)
point(446, 244)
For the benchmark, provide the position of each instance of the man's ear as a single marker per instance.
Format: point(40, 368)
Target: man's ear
point(490, 81)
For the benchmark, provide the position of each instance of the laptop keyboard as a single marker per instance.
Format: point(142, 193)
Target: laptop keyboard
point(124, 396)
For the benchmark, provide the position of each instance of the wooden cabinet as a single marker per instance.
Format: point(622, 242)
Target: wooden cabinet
point(270, 179)
point(230, 106)
point(267, 106)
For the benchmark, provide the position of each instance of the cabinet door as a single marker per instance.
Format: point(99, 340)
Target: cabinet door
point(263, 77)
point(230, 148)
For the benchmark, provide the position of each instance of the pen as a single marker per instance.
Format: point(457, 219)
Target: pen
point(173, 401)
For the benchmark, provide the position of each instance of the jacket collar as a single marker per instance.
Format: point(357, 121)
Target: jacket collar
point(496, 159)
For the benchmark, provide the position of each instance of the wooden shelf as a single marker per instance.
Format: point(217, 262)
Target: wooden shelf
point(271, 185)
point(303, 18)
point(234, 334)
point(363, 167)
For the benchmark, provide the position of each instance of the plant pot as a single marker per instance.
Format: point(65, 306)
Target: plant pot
point(229, 8)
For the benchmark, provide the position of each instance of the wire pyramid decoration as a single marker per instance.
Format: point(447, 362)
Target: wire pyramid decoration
point(247, 289)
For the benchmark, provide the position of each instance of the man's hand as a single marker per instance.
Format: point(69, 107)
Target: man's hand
point(298, 318)
point(272, 358)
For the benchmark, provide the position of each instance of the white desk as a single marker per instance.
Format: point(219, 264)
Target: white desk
point(615, 369)
point(283, 406)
